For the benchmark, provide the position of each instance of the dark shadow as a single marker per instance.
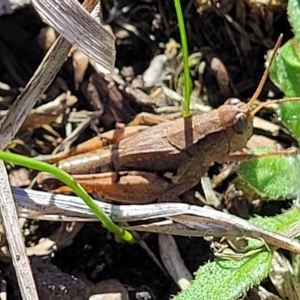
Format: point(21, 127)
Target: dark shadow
point(188, 131)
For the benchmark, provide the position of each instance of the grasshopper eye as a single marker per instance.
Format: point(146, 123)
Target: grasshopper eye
point(240, 123)
point(233, 101)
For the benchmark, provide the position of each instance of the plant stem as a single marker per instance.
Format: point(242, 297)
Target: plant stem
point(185, 53)
point(68, 180)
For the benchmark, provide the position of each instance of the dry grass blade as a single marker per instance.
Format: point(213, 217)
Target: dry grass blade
point(73, 22)
point(173, 262)
point(14, 238)
point(10, 126)
point(188, 220)
point(42, 78)
point(284, 278)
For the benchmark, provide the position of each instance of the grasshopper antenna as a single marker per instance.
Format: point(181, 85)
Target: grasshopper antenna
point(266, 72)
point(276, 101)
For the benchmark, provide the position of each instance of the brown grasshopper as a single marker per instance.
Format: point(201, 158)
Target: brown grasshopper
point(165, 160)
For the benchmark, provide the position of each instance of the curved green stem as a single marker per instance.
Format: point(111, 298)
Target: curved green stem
point(185, 53)
point(68, 180)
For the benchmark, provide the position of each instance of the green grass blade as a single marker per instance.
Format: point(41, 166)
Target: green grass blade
point(185, 53)
point(68, 180)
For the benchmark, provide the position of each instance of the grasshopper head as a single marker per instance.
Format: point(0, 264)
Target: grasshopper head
point(237, 121)
point(235, 116)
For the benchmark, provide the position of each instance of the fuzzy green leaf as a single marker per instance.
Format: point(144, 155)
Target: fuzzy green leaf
point(285, 69)
point(294, 13)
point(223, 279)
point(278, 224)
point(275, 177)
point(289, 115)
point(285, 73)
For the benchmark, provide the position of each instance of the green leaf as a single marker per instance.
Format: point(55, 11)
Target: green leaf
point(228, 280)
point(278, 224)
point(294, 13)
point(284, 71)
point(289, 115)
point(275, 177)
point(223, 279)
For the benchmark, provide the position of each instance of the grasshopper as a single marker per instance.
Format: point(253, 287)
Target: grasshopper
point(168, 159)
